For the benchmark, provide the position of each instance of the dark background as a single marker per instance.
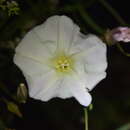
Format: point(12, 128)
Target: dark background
point(111, 97)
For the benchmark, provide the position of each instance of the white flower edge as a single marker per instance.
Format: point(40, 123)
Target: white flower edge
point(56, 34)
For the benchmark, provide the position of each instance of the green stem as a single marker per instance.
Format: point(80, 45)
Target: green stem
point(89, 20)
point(122, 50)
point(113, 12)
point(86, 118)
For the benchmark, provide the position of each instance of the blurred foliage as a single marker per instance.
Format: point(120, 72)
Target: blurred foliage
point(111, 98)
point(11, 7)
point(125, 127)
point(2, 125)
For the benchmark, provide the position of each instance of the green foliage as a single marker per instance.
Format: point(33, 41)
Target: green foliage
point(2, 6)
point(11, 7)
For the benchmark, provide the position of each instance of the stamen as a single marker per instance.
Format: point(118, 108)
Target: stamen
point(63, 64)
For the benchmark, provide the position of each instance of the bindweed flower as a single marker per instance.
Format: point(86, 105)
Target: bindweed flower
point(59, 61)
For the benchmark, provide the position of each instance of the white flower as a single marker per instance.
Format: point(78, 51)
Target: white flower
point(58, 61)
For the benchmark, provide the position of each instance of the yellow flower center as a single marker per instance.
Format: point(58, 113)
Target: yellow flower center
point(63, 63)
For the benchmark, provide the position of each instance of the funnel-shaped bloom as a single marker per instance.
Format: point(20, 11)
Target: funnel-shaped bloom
point(58, 61)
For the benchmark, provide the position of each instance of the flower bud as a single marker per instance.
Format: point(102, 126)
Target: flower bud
point(119, 34)
point(22, 93)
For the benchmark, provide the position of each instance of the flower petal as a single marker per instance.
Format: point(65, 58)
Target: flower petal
point(48, 86)
point(59, 29)
point(74, 87)
point(92, 52)
point(40, 78)
point(30, 65)
point(92, 79)
point(82, 96)
point(32, 46)
point(90, 57)
point(42, 87)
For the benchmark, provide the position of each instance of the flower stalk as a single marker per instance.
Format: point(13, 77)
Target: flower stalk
point(86, 118)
